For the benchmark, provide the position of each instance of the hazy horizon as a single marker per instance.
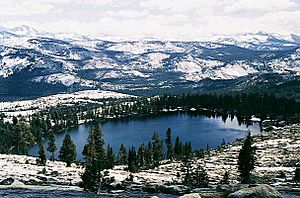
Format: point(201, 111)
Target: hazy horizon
point(167, 20)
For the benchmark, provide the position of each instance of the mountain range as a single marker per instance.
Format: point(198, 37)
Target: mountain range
point(39, 63)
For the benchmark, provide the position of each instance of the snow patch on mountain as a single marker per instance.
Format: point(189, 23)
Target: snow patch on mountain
point(66, 79)
point(8, 65)
point(234, 70)
point(141, 47)
point(29, 107)
point(156, 59)
point(121, 74)
point(191, 64)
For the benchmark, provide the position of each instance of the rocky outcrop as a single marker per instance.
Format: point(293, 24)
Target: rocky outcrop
point(166, 189)
point(261, 191)
point(191, 195)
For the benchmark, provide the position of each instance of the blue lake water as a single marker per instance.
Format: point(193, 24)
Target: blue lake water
point(198, 129)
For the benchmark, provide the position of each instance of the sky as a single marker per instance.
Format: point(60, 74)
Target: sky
point(164, 19)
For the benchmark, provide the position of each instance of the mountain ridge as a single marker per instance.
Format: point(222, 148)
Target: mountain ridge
point(39, 59)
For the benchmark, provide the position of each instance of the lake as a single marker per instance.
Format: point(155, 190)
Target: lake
point(198, 129)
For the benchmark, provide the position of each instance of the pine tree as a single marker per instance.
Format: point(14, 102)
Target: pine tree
point(110, 158)
point(67, 151)
point(195, 178)
point(141, 155)
point(177, 149)
point(23, 138)
point(51, 145)
point(225, 179)
point(157, 150)
point(132, 160)
point(149, 155)
point(297, 175)
point(122, 156)
point(170, 149)
point(246, 160)
point(42, 155)
point(187, 150)
point(190, 150)
point(95, 161)
point(186, 168)
point(199, 178)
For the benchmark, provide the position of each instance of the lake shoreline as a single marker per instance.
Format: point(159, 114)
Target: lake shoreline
point(215, 164)
point(188, 126)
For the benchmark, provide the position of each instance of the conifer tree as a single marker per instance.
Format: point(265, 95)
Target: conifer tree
point(95, 161)
point(157, 145)
point(23, 138)
point(225, 179)
point(51, 145)
point(149, 155)
point(186, 168)
point(178, 149)
point(132, 160)
point(67, 151)
point(199, 178)
point(194, 177)
point(187, 150)
point(110, 157)
point(246, 160)
point(141, 155)
point(42, 155)
point(122, 156)
point(297, 175)
point(170, 149)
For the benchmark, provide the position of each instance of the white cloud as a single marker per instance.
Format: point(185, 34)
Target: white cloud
point(167, 19)
point(242, 6)
point(24, 8)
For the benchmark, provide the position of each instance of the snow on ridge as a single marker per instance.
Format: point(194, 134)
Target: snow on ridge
point(234, 70)
point(156, 59)
point(141, 47)
point(122, 74)
point(195, 72)
point(29, 107)
point(8, 65)
point(66, 79)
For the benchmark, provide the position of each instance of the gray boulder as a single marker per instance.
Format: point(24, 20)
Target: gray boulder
point(261, 191)
point(191, 195)
point(176, 189)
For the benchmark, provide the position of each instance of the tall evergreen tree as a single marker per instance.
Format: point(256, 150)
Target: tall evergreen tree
point(110, 157)
point(23, 138)
point(122, 156)
point(132, 160)
point(51, 145)
point(178, 149)
point(170, 149)
point(42, 155)
point(187, 150)
point(141, 155)
point(149, 155)
point(157, 145)
point(95, 161)
point(246, 160)
point(67, 151)
point(297, 175)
